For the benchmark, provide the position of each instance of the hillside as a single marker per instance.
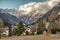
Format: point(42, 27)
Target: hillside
point(8, 18)
point(31, 12)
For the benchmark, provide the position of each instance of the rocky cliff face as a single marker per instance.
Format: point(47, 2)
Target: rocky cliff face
point(8, 18)
point(52, 17)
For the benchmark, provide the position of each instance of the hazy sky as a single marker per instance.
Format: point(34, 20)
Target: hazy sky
point(15, 3)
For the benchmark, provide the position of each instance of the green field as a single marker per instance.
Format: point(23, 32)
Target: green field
point(33, 37)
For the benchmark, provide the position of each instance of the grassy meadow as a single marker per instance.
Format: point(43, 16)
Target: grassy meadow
point(33, 37)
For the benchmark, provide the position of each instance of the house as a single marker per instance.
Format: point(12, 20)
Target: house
point(5, 31)
point(28, 29)
point(31, 29)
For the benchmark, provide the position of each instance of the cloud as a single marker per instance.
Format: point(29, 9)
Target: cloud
point(53, 2)
point(34, 9)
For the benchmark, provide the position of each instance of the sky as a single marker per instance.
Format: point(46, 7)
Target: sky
point(15, 3)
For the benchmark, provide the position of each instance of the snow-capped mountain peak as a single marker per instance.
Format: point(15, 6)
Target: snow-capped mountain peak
point(31, 12)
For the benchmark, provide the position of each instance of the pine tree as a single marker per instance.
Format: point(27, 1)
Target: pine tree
point(41, 27)
point(20, 28)
point(1, 25)
point(10, 30)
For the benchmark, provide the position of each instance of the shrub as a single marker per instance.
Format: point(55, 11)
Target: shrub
point(54, 30)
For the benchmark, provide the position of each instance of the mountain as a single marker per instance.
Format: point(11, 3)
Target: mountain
point(31, 12)
point(49, 20)
point(52, 17)
point(54, 11)
point(28, 13)
point(8, 18)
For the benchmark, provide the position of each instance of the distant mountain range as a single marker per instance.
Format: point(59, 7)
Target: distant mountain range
point(8, 18)
point(28, 13)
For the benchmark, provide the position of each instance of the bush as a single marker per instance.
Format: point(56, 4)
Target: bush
point(54, 30)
